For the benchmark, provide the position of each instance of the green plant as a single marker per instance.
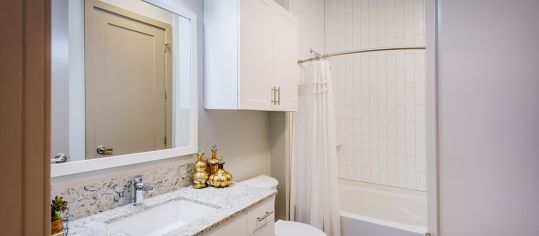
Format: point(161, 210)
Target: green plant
point(57, 207)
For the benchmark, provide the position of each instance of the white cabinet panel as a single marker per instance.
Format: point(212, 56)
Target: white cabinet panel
point(250, 49)
point(256, 54)
point(286, 68)
point(267, 230)
point(258, 220)
point(236, 226)
point(261, 214)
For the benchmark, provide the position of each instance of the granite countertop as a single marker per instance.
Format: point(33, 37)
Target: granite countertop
point(230, 202)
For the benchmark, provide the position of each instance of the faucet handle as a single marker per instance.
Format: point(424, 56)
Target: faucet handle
point(137, 181)
point(147, 189)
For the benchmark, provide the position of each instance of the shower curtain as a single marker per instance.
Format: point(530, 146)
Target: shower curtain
point(314, 174)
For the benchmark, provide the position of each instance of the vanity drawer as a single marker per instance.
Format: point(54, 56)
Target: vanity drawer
point(260, 214)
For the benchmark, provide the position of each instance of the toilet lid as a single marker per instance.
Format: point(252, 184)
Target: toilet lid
point(290, 228)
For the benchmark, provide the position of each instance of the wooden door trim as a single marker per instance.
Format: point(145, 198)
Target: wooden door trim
point(25, 119)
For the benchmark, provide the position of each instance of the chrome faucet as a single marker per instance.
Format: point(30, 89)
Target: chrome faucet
point(139, 189)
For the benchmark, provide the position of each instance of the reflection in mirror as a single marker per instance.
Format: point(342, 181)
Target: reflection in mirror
point(118, 79)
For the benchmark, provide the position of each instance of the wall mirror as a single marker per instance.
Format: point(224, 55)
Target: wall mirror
point(123, 87)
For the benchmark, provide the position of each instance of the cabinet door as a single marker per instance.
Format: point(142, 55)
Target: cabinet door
point(256, 55)
point(236, 226)
point(286, 67)
point(267, 230)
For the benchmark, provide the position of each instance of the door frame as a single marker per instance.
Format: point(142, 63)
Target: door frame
point(433, 188)
point(25, 119)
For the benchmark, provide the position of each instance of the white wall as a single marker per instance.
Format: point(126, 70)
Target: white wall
point(310, 14)
point(380, 96)
point(242, 136)
point(488, 90)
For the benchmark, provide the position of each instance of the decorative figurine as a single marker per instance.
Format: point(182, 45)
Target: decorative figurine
point(200, 176)
point(213, 162)
point(221, 178)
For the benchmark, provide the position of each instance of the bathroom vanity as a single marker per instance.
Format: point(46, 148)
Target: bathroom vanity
point(236, 210)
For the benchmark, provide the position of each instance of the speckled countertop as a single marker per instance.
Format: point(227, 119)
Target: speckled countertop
point(230, 202)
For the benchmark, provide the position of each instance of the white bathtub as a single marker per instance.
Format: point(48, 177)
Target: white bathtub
point(376, 210)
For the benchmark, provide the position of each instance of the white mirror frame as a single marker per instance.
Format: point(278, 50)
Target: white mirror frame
point(70, 168)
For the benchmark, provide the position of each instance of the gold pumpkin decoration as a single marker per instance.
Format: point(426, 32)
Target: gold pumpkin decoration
point(221, 178)
point(200, 176)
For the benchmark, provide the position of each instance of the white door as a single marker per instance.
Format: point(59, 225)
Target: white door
point(126, 78)
point(256, 55)
point(286, 67)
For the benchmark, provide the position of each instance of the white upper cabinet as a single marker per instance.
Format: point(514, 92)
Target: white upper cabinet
point(250, 56)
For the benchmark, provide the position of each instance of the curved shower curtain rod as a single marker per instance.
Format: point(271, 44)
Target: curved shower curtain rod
point(318, 56)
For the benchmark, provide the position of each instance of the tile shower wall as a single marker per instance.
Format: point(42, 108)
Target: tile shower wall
point(380, 96)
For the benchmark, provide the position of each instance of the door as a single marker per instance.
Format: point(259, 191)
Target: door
point(256, 55)
point(126, 77)
point(286, 67)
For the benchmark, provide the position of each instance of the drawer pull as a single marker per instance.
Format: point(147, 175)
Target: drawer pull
point(268, 213)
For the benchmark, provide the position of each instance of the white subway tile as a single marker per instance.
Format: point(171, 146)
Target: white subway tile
point(419, 16)
point(356, 128)
point(365, 151)
point(358, 175)
point(409, 69)
point(373, 13)
point(391, 136)
point(409, 9)
point(409, 35)
point(401, 175)
point(410, 112)
point(373, 97)
point(365, 96)
point(349, 6)
point(349, 95)
point(373, 36)
point(392, 178)
point(410, 138)
point(420, 119)
point(421, 156)
point(374, 168)
point(391, 112)
point(401, 139)
point(400, 92)
point(341, 163)
point(382, 152)
point(357, 13)
point(420, 94)
point(367, 174)
point(365, 120)
point(382, 117)
point(411, 178)
point(421, 182)
point(383, 179)
point(357, 137)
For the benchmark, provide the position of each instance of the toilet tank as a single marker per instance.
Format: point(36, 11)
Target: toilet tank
point(261, 181)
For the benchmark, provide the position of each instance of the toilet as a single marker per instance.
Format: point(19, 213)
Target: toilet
point(283, 227)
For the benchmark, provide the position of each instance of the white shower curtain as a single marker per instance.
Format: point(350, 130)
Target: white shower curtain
point(315, 186)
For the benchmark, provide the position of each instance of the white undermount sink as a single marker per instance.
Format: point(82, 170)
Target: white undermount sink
point(162, 219)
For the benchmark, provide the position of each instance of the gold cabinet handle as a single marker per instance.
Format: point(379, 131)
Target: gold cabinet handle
point(268, 213)
point(278, 95)
point(273, 96)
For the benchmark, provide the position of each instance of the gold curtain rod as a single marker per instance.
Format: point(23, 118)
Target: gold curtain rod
point(318, 56)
